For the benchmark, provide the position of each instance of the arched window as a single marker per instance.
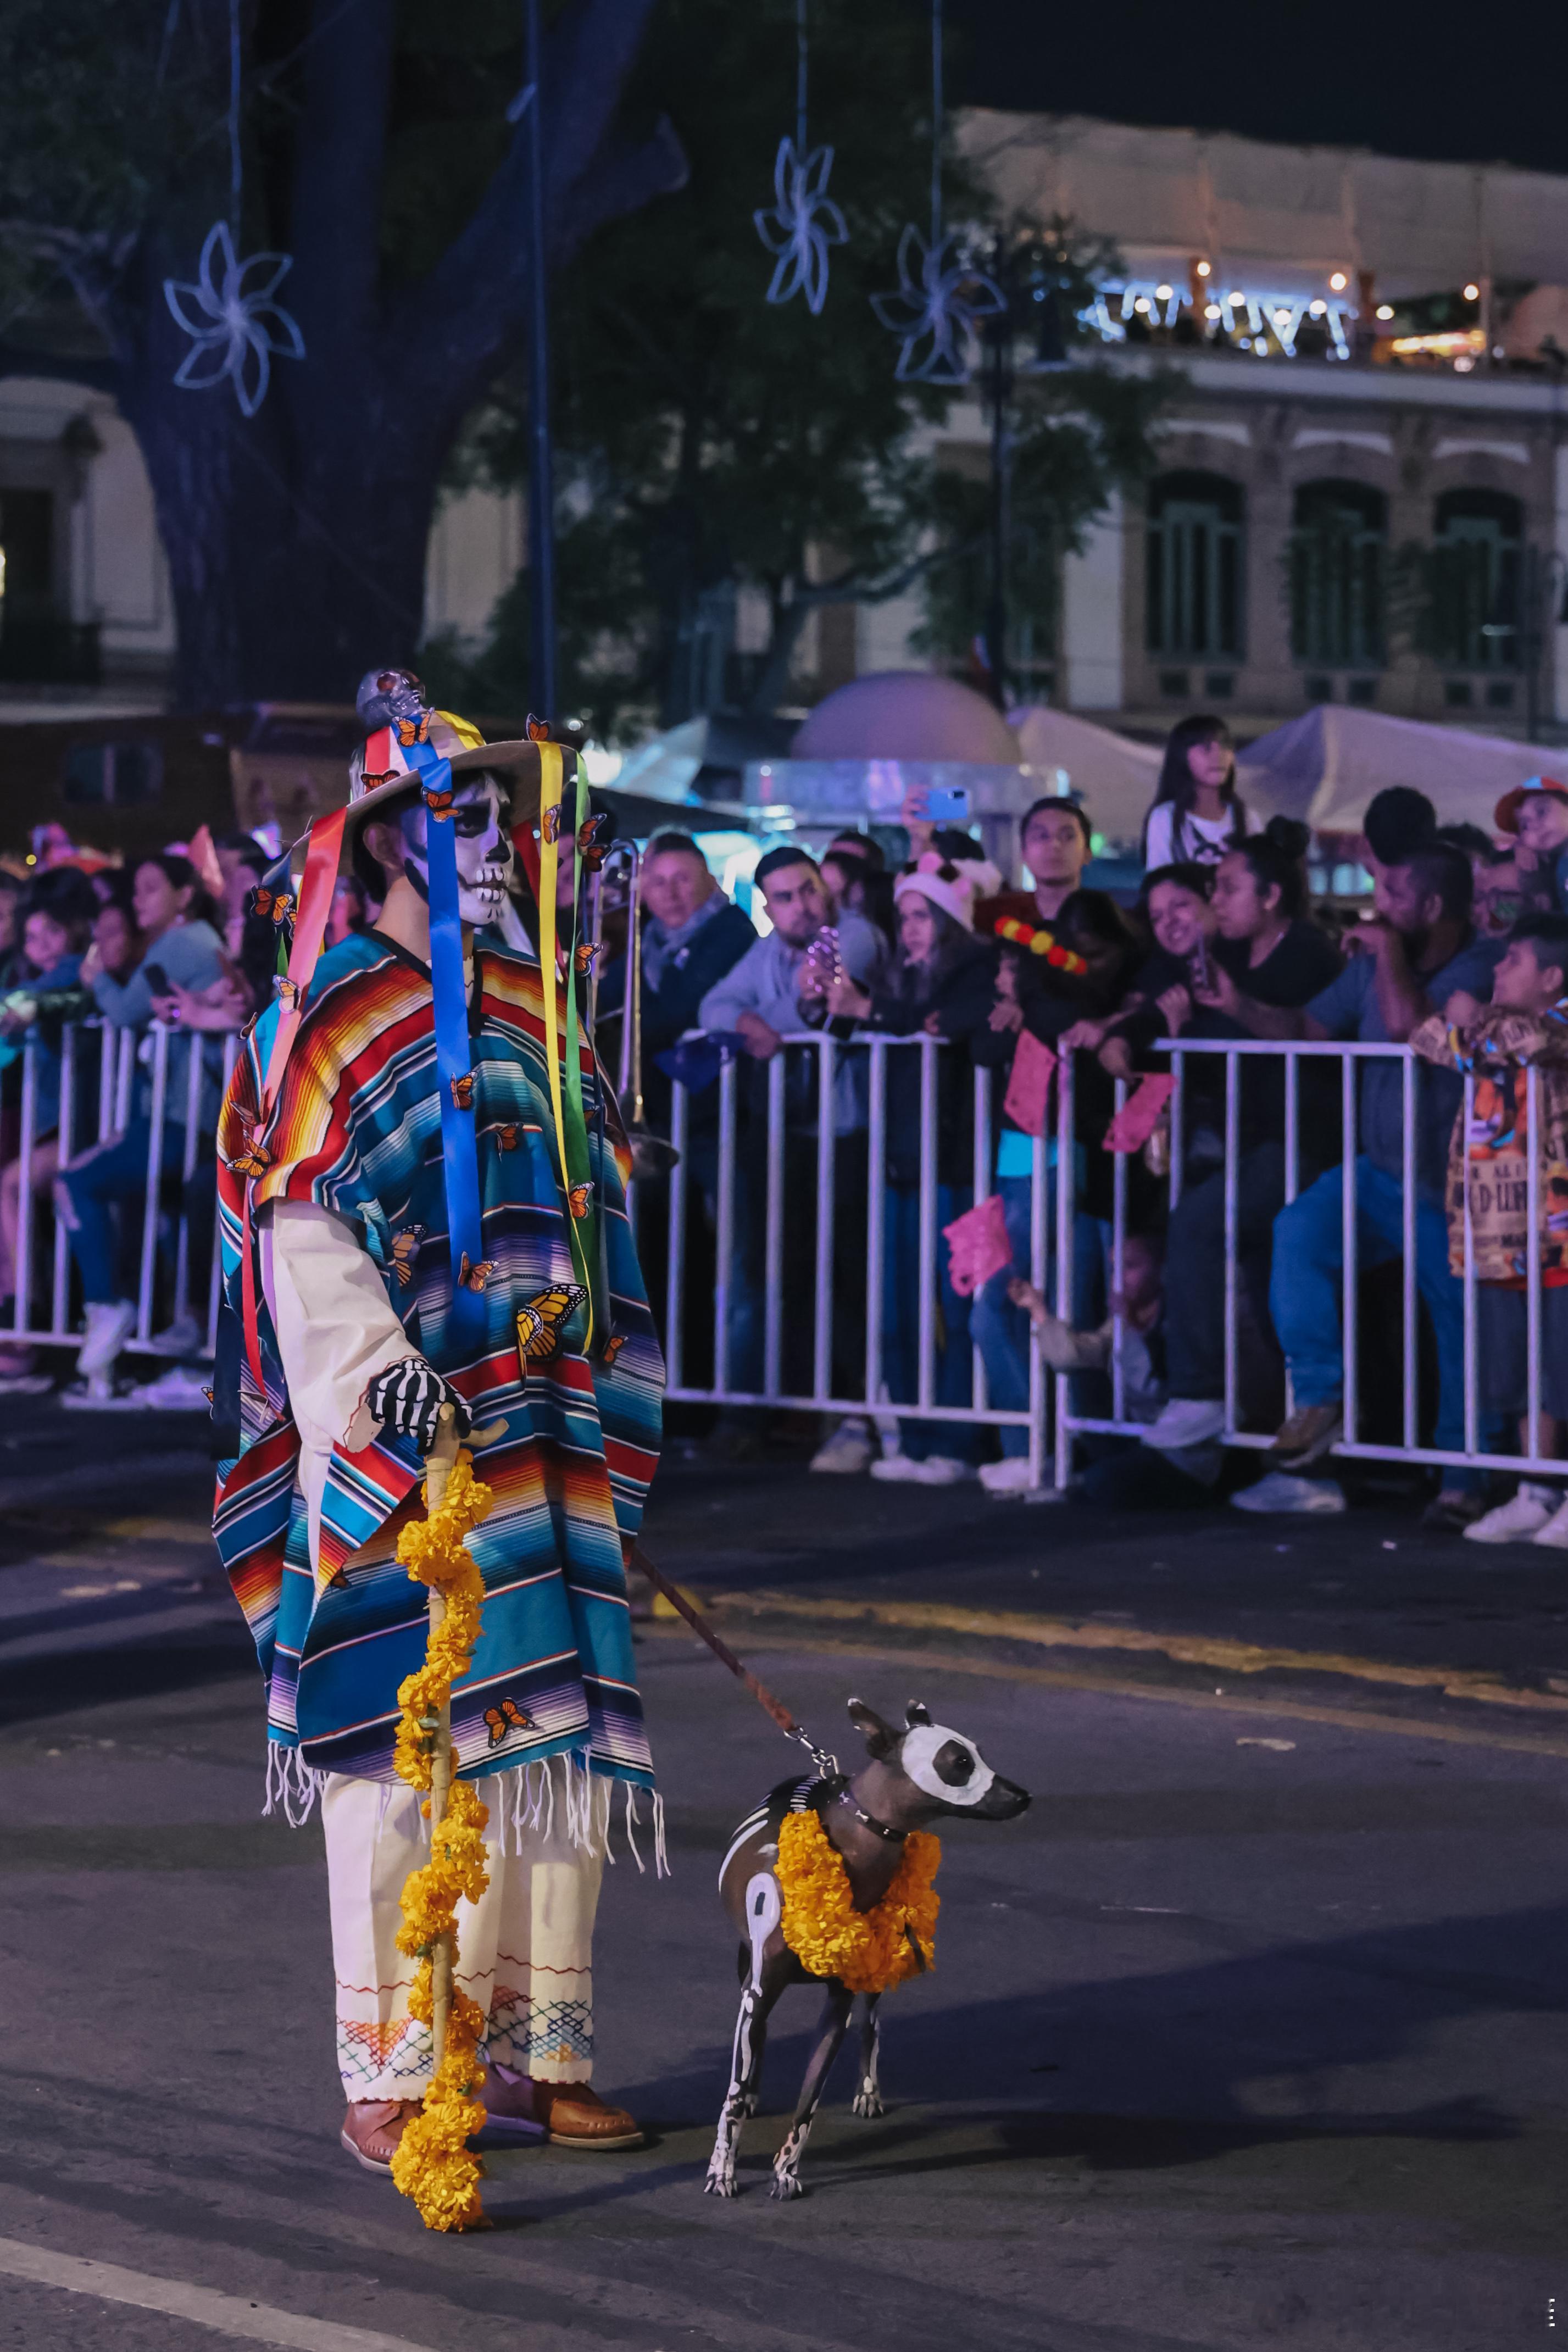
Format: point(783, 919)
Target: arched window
point(1476, 572)
point(1338, 548)
point(1195, 523)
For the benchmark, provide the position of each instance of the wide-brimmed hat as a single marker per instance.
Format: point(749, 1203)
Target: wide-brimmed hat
point(398, 721)
point(1505, 816)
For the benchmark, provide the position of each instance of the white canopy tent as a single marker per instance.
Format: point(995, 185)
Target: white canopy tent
point(1114, 777)
point(1324, 767)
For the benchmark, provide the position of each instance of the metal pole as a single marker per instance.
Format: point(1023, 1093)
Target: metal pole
point(1408, 1249)
point(1232, 1229)
point(1347, 1232)
point(1118, 1269)
point(822, 1329)
point(876, 1207)
point(772, 1280)
point(1532, 1256)
point(724, 1246)
point(925, 1385)
point(154, 1176)
point(675, 1264)
point(540, 467)
point(1472, 1415)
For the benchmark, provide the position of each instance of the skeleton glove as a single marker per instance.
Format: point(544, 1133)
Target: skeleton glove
point(407, 1399)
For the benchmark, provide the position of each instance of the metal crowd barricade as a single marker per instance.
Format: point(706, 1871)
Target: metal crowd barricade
point(1348, 1056)
point(168, 1278)
point(1049, 1415)
point(765, 1162)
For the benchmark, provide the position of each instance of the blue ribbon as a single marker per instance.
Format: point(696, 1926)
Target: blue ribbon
point(460, 1148)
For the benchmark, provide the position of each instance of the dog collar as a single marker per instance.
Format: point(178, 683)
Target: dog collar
point(894, 1837)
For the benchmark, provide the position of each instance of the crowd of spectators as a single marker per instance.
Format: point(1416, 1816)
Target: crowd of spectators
point(172, 940)
point(1466, 933)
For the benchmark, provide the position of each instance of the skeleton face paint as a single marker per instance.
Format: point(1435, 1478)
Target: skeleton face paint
point(484, 849)
point(922, 1747)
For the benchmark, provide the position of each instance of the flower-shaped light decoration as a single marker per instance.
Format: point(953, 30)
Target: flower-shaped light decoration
point(804, 222)
point(940, 294)
point(233, 321)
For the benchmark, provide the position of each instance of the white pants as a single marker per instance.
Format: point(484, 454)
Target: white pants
point(524, 1950)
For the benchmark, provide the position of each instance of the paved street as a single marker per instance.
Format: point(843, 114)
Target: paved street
point(1250, 2032)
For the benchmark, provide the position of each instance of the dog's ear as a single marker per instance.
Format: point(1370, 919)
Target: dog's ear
point(880, 1737)
point(916, 1711)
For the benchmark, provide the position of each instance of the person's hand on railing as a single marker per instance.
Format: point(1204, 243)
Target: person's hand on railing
point(1084, 1037)
point(1176, 1006)
point(1116, 1056)
point(759, 1037)
point(1006, 1013)
point(215, 1010)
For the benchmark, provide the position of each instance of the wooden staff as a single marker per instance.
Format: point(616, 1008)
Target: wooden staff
point(440, 1464)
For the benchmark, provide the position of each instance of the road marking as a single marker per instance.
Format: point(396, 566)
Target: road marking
point(255, 2323)
point(1345, 1718)
point(1188, 1649)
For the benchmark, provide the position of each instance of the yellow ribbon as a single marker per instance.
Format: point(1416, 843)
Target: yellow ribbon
point(550, 771)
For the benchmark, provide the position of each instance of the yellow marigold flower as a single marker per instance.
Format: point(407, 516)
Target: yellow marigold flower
point(868, 1951)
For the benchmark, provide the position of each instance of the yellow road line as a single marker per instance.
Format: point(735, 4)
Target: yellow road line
point(1188, 1649)
point(1346, 1719)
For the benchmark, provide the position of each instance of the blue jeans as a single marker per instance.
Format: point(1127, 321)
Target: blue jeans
point(117, 1171)
point(901, 1322)
point(1305, 1292)
point(1000, 1329)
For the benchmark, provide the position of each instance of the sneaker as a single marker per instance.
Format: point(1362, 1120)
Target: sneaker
point(101, 1394)
point(184, 1388)
point(1306, 1436)
point(1009, 1476)
point(849, 1450)
point(109, 1323)
point(1554, 1534)
point(1515, 1521)
point(1277, 1492)
point(897, 1470)
point(184, 1337)
point(945, 1470)
point(1185, 1421)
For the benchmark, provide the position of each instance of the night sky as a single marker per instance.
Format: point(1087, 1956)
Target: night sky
point(1468, 86)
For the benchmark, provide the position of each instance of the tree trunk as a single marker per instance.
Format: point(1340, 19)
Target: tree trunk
point(296, 539)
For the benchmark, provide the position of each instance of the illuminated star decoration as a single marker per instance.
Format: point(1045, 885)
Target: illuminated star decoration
point(940, 294)
point(233, 321)
point(804, 222)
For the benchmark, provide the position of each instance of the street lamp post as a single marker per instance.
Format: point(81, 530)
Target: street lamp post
point(541, 466)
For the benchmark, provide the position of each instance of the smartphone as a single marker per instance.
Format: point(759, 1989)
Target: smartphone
point(947, 808)
point(157, 978)
point(1199, 966)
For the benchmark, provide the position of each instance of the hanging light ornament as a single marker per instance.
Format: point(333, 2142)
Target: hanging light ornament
point(940, 292)
point(228, 311)
point(804, 220)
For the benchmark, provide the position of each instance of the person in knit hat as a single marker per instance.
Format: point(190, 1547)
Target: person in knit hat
point(940, 987)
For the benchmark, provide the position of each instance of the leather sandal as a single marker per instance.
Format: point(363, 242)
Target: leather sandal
point(372, 2128)
point(575, 2116)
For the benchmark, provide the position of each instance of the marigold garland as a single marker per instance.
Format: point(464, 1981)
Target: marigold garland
point(433, 2163)
point(868, 1951)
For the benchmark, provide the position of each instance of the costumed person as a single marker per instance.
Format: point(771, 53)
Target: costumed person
point(422, 1205)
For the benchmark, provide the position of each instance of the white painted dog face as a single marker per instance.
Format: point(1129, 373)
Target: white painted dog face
point(944, 1766)
point(483, 847)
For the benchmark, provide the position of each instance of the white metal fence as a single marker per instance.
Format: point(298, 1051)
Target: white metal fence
point(99, 1069)
point(1053, 1235)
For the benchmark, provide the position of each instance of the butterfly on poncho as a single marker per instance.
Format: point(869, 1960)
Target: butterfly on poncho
point(540, 1322)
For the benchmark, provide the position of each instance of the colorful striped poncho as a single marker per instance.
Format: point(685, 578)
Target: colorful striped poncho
point(356, 1130)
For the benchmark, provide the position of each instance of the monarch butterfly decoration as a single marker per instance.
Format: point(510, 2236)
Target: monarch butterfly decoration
point(404, 1250)
point(539, 1324)
point(253, 1160)
point(584, 956)
point(549, 823)
point(463, 1090)
point(592, 848)
point(287, 993)
point(474, 1277)
point(538, 730)
point(579, 1200)
point(505, 1135)
point(505, 1717)
point(611, 1348)
point(439, 802)
point(415, 730)
point(279, 904)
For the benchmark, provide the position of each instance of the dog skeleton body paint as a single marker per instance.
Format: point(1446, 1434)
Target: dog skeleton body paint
point(923, 1774)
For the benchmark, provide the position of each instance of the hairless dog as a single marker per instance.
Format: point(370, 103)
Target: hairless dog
point(922, 1774)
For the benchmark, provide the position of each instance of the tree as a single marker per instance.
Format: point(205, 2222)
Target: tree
point(709, 441)
point(377, 152)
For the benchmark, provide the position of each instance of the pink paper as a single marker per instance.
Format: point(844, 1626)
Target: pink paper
point(1136, 1120)
point(1030, 1083)
point(977, 1245)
